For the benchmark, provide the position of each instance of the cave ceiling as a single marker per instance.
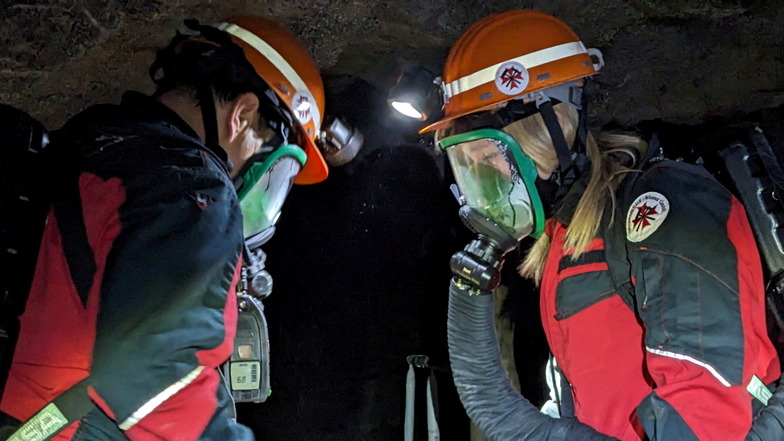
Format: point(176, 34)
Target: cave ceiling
point(679, 60)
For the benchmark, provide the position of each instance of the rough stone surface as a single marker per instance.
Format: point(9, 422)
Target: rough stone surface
point(681, 61)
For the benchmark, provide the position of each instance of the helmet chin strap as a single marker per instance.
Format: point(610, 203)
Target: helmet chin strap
point(566, 173)
point(209, 116)
point(572, 162)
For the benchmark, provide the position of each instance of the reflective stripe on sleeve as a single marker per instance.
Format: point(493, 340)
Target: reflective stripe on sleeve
point(683, 357)
point(156, 401)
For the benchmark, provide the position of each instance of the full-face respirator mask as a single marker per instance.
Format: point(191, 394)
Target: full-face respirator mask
point(501, 195)
point(265, 182)
point(262, 187)
point(496, 189)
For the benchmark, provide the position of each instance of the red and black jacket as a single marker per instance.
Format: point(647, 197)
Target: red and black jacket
point(664, 348)
point(147, 310)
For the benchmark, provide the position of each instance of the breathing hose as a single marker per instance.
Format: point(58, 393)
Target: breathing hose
point(488, 397)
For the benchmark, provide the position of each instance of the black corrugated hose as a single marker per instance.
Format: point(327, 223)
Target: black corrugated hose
point(491, 402)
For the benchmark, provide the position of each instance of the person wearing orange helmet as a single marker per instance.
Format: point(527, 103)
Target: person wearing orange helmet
point(657, 334)
point(134, 302)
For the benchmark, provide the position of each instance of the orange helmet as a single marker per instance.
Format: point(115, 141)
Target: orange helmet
point(507, 56)
point(286, 66)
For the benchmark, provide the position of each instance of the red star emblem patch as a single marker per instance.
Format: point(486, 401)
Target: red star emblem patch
point(646, 214)
point(511, 78)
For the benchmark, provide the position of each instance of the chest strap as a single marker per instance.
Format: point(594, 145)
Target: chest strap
point(67, 408)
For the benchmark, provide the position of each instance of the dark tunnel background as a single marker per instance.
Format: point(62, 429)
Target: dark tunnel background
point(360, 268)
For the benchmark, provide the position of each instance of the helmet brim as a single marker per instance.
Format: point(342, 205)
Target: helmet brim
point(315, 169)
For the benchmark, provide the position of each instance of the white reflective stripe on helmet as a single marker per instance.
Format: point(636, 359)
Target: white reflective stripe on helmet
point(159, 399)
point(275, 58)
point(487, 75)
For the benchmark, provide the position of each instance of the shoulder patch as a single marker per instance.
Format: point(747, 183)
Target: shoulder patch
point(646, 215)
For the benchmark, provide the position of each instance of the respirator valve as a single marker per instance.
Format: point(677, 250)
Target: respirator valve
point(258, 282)
point(479, 264)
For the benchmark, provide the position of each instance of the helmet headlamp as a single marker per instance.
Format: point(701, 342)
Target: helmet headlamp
point(339, 142)
point(415, 93)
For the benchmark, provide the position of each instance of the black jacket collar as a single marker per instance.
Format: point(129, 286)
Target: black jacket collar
point(151, 109)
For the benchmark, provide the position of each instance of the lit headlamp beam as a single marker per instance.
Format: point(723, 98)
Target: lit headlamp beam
point(407, 109)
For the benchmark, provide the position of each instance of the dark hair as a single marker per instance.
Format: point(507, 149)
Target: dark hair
point(209, 59)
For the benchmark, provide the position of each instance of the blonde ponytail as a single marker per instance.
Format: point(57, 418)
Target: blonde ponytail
point(607, 172)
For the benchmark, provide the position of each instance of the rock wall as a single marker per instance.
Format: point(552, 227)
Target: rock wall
point(679, 60)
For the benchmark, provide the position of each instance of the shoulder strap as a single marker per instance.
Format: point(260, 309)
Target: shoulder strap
point(614, 234)
point(78, 254)
point(23, 208)
point(67, 408)
point(758, 181)
point(38, 176)
point(615, 252)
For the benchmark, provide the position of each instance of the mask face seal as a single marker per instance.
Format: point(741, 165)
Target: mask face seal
point(263, 188)
point(496, 180)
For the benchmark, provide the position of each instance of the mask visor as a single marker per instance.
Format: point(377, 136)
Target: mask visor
point(497, 180)
point(265, 186)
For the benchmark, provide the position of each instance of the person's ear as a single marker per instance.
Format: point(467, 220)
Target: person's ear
point(242, 114)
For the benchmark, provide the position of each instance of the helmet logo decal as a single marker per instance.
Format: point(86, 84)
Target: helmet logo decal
point(511, 78)
point(646, 215)
point(302, 105)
